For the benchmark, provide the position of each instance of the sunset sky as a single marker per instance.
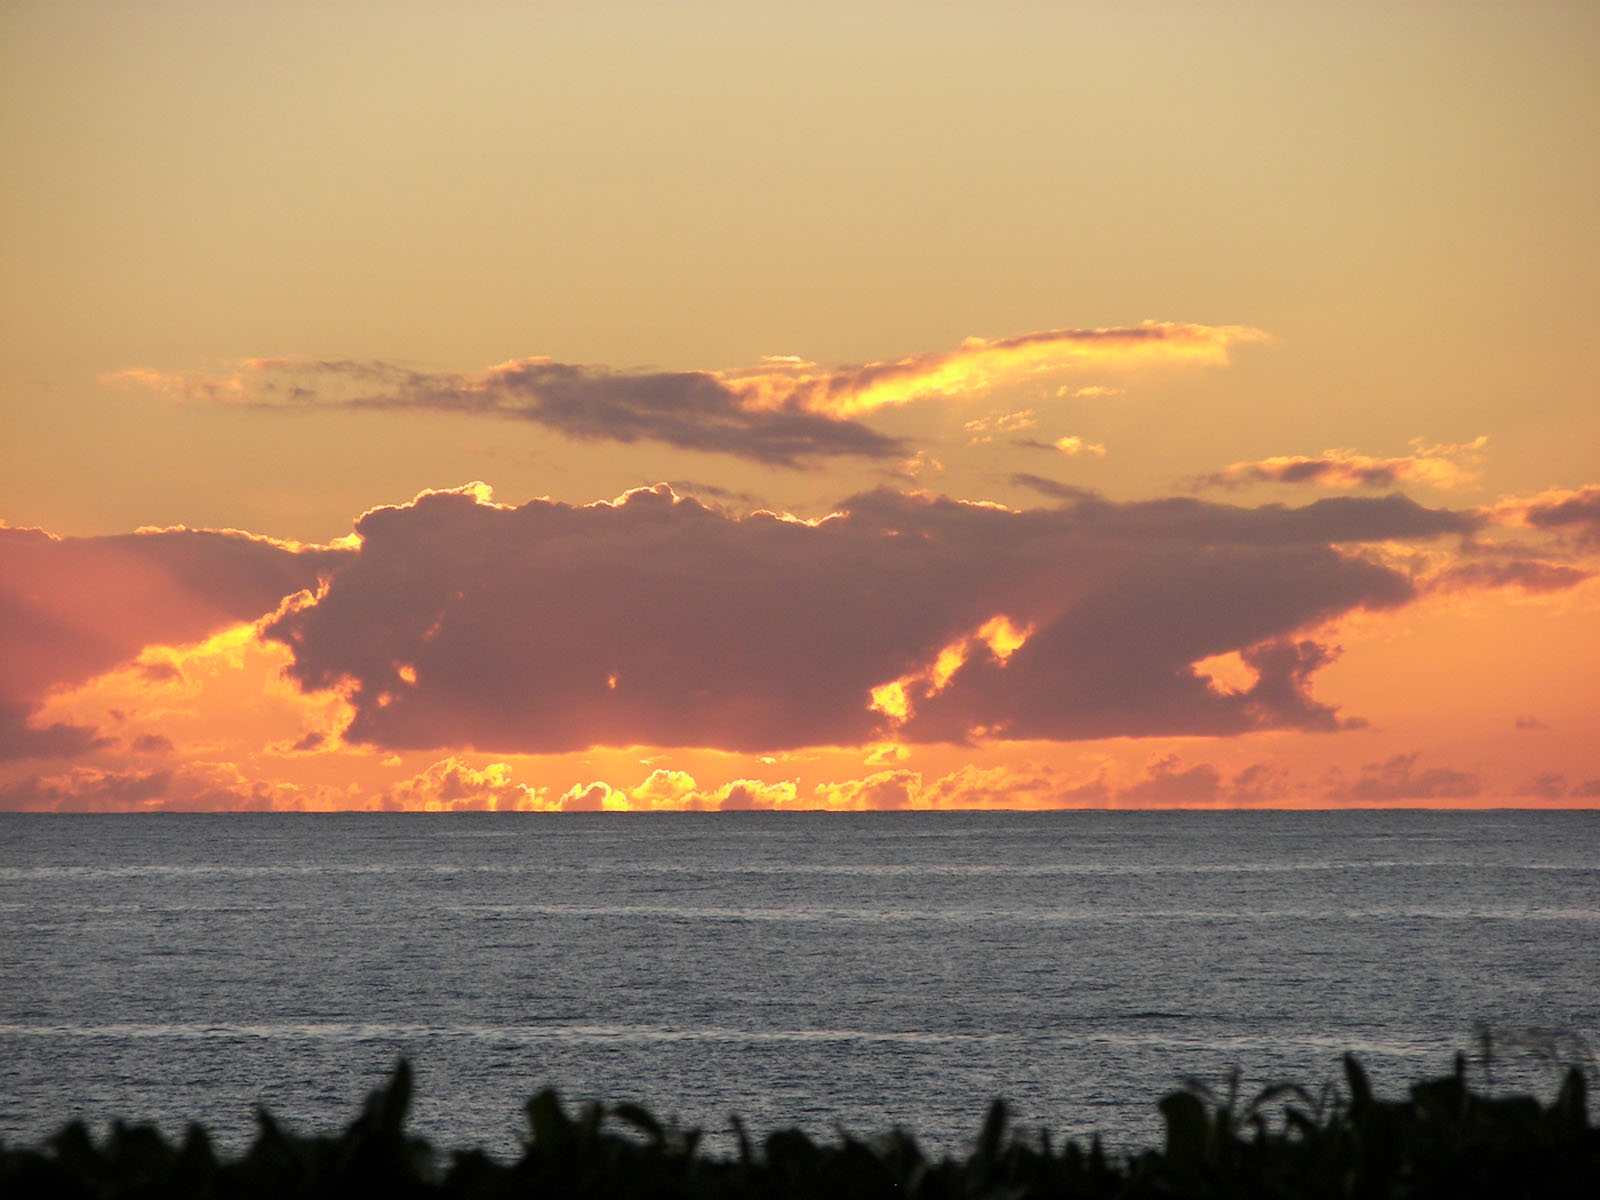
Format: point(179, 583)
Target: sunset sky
point(657, 405)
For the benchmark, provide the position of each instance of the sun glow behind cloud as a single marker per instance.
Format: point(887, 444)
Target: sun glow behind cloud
point(336, 697)
point(1354, 565)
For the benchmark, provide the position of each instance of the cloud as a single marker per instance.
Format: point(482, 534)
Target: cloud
point(784, 412)
point(754, 793)
point(192, 787)
point(1071, 446)
point(1577, 512)
point(1399, 779)
point(655, 621)
point(677, 791)
point(224, 696)
point(1167, 785)
point(451, 785)
point(21, 739)
point(1528, 574)
point(693, 410)
point(983, 430)
point(714, 495)
point(919, 464)
point(86, 789)
point(979, 364)
point(1547, 785)
point(1050, 487)
point(1436, 466)
point(71, 608)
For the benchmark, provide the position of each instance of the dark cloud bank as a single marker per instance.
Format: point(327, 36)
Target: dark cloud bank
point(659, 621)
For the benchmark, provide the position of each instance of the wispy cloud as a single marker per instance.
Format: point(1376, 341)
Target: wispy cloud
point(1571, 511)
point(1442, 466)
point(1527, 574)
point(784, 411)
point(1072, 445)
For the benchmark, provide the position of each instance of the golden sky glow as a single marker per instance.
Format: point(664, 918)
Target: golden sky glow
point(635, 406)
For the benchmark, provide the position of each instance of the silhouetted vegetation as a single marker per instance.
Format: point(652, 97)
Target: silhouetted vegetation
point(1442, 1140)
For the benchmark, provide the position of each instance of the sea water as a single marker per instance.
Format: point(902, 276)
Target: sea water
point(799, 969)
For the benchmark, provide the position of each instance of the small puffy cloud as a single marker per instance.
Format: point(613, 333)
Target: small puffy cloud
point(592, 797)
point(984, 429)
point(1072, 446)
point(1437, 466)
point(883, 790)
point(1526, 722)
point(919, 464)
point(677, 791)
point(452, 785)
point(748, 794)
point(664, 788)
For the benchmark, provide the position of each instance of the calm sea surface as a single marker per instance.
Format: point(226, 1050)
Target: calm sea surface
point(798, 969)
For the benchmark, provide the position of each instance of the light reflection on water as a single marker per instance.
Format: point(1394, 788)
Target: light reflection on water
point(868, 969)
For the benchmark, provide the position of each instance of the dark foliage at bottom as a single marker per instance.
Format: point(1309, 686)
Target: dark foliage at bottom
point(1443, 1140)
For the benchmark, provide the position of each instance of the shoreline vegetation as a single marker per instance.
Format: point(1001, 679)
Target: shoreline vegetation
point(1443, 1139)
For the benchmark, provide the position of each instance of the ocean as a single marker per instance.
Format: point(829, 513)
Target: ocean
point(798, 969)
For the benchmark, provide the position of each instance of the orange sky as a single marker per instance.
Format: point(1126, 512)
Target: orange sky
point(778, 405)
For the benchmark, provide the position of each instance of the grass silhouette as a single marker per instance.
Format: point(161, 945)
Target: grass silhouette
point(1441, 1140)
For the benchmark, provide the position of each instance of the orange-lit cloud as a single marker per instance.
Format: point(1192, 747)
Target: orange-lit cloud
point(678, 791)
point(452, 785)
point(71, 608)
point(896, 698)
point(1071, 445)
point(420, 664)
point(180, 787)
point(225, 696)
point(657, 621)
point(979, 364)
point(1571, 512)
point(1435, 466)
point(984, 429)
point(784, 412)
point(1528, 574)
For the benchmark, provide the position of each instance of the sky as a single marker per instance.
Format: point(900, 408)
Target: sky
point(777, 405)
